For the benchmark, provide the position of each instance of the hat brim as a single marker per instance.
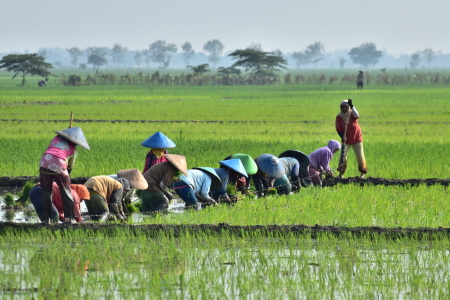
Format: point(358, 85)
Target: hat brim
point(134, 177)
point(216, 183)
point(178, 161)
point(302, 158)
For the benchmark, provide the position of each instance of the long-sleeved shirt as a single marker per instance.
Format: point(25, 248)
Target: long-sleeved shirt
point(151, 160)
point(77, 198)
point(105, 186)
point(320, 159)
point(159, 173)
point(199, 182)
point(354, 134)
point(224, 177)
point(291, 165)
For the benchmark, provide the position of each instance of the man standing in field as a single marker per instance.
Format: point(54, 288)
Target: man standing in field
point(360, 80)
point(348, 129)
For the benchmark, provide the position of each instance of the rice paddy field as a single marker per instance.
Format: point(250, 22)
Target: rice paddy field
point(406, 130)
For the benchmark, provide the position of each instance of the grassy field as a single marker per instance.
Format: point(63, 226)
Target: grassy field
point(406, 135)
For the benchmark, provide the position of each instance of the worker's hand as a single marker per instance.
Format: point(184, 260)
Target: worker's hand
point(224, 198)
point(169, 195)
point(350, 103)
point(328, 174)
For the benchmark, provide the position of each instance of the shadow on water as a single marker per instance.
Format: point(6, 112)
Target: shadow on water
point(28, 214)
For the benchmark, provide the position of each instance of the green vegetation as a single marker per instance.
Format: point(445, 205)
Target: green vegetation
point(127, 264)
point(406, 135)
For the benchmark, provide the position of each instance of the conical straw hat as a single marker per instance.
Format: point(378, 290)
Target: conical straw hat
point(158, 140)
point(178, 161)
point(270, 165)
point(216, 183)
point(248, 162)
point(298, 155)
point(134, 177)
point(75, 135)
point(236, 165)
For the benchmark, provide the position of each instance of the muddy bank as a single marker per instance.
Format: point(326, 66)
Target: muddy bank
point(21, 180)
point(197, 121)
point(275, 231)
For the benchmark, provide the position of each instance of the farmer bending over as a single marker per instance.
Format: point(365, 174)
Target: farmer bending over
point(195, 187)
point(319, 161)
point(229, 169)
point(79, 193)
point(106, 195)
point(156, 197)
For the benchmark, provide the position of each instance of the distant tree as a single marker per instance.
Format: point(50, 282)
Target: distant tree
point(429, 55)
point(137, 58)
point(255, 46)
point(117, 53)
point(161, 52)
point(415, 60)
point(228, 71)
point(300, 58)
point(58, 64)
point(366, 54)
point(188, 52)
point(96, 61)
point(147, 58)
point(74, 54)
point(200, 69)
point(32, 64)
point(257, 61)
point(43, 52)
point(314, 53)
point(215, 49)
point(100, 51)
point(342, 62)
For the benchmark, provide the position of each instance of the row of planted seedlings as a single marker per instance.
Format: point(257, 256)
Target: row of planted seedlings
point(129, 263)
point(158, 79)
point(341, 206)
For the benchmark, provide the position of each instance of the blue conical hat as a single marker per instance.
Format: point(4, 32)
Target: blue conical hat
point(75, 135)
point(216, 183)
point(248, 162)
point(158, 140)
point(236, 165)
point(270, 165)
point(298, 155)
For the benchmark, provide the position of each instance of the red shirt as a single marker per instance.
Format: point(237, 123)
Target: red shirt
point(354, 134)
point(57, 201)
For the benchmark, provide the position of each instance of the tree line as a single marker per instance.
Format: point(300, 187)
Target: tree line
point(253, 59)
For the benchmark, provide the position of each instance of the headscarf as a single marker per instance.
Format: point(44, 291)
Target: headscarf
point(158, 152)
point(333, 145)
point(345, 116)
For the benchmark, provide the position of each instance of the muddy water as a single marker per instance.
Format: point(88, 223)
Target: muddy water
point(28, 214)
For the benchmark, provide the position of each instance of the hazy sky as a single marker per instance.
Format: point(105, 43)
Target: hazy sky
point(397, 26)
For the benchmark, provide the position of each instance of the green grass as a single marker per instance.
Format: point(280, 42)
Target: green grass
point(406, 135)
point(126, 264)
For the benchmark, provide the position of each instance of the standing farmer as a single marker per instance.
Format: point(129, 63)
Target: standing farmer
point(360, 80)
point(158, 143)
point(348, 129)
point(55, 166)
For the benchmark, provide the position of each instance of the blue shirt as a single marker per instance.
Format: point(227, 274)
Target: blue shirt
point(198, 181)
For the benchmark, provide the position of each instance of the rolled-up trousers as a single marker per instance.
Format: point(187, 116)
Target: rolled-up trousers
point(359, 152)
point(46, 178)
